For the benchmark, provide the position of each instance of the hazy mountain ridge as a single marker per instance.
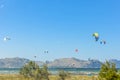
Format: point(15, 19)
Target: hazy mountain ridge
point(68, 62)
point(117, 62)
point(57, 63)
point(13, 62)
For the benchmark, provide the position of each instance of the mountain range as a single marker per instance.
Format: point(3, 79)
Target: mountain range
point(57, 63)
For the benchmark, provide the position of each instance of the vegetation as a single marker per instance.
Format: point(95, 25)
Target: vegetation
point(33, 71)
point(51, 77)
point(108, 71)
point(63, 74)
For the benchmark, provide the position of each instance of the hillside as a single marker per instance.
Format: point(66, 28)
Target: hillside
point(13, 62)
point(57, 63)
point(73, 62)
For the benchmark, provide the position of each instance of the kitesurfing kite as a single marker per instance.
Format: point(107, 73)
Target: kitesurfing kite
point(103, 42)
point(96, 35)
point(46, 51)
point(7, 38)
point(76, 50)
point(34, 56)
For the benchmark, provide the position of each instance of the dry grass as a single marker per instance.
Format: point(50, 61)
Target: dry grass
point(52, 77)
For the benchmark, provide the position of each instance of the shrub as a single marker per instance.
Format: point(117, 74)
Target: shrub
point(44, 72)
point(108, 71)
point(63, 74)
point(32, 70)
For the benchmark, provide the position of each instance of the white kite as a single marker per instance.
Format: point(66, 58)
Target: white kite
point(7, 38)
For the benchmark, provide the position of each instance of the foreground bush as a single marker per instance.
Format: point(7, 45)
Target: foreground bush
point(108, 71)
point(63, 74)
point(33, 71)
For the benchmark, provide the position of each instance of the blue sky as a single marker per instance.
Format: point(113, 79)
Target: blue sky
point(59, 26)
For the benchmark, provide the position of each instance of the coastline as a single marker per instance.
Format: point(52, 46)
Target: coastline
point(54, 71)
point(51, 77)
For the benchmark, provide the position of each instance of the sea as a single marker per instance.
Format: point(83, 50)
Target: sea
point(54, 71)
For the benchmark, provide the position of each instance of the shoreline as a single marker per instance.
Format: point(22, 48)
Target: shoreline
point(51, 77)
point(54, 71)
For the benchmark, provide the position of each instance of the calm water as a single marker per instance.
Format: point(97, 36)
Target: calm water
point(81, 71)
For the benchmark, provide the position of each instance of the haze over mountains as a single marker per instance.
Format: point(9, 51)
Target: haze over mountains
point(57, 63)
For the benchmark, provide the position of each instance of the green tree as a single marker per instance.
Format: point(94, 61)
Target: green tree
point(108, 71)
point(33, 71)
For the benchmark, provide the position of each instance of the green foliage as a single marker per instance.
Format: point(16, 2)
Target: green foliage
point(32, 70)
point(63, 74)
point(108, 71)
point(44, 72)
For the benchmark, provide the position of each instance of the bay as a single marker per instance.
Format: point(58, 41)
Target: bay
point(75, 71)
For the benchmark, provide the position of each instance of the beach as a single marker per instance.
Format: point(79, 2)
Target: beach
point(54, 71)
point(75, 74)
point(51, 77)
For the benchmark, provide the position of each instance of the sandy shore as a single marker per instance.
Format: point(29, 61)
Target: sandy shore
point(51, 77)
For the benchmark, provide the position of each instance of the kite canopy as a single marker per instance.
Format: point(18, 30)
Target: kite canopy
point(96, 35)
point(7, 38)
point(103, 42)
point(76, 50)
point(46, 51)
